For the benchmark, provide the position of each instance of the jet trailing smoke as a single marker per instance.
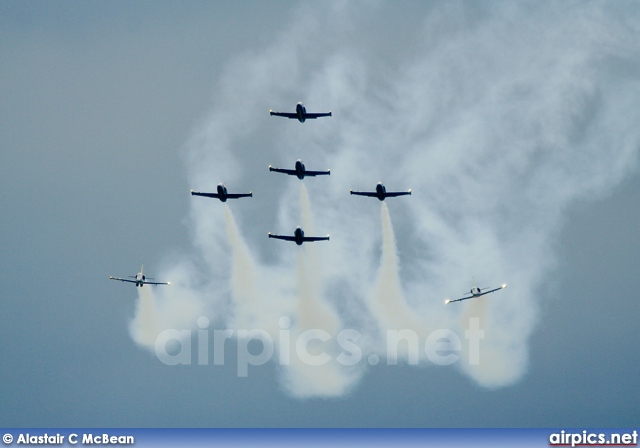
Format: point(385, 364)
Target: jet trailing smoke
point(244, 289)
point(498, 122)
point(391, 308)
point(313, 310)
point(143, 328)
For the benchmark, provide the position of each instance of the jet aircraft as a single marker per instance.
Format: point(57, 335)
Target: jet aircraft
point(476, 292)
point(139, 279)
point(300, 171)
point(300, 114)
point(222, 194)
point(299, 238)
point(380, 193)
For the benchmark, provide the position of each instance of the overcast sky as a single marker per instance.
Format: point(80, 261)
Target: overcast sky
point(514, 124)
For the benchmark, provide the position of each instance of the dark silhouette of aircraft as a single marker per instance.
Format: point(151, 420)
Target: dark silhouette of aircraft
point(300, 171)
point(300, 114)
point(380, 193)
point(222, 194)
point(139, 279)
point(298, 237)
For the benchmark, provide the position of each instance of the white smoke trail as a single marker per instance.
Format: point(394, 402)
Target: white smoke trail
point(313, 311)
point(143, 327)
point(499, 362)
point(254, 305)
point(390, 306)
point(303, 379)
point(315, 317)
point(243, 276)
point(174, 307)
point(499, 122)
point(305, 209)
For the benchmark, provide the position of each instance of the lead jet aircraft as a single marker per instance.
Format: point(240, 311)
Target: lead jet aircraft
point(476, 292)
point(380, 193)
point(300, 114)
point(222, 194)
point(299, 238)
point(139, 279)
point(300, 171)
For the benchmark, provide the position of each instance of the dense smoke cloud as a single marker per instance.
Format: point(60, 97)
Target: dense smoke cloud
point(498, 117)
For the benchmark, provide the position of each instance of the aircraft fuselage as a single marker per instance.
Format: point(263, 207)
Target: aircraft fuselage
point(301, 111)
point(298, 234)
point(300, 169)
point(140, 278)
point(222, 192)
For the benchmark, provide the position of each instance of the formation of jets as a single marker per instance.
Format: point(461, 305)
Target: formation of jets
point(300, 171)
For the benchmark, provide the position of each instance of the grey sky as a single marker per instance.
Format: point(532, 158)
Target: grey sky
point(522, 116)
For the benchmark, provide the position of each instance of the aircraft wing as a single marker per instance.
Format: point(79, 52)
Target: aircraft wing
point(206, 195)
point(282, 170)
point(364, 193)
point(156, 283)
point(397, 193)
point(493, 290)
point(316, 173)
point(282, 237)
point(284, 114)
point(315, 238)
point(317, 115)
point(239, 195)
point(459, 300)
point(121, 279)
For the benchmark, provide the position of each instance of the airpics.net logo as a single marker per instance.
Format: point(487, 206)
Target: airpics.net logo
point(586, 438)
point(313, 347)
